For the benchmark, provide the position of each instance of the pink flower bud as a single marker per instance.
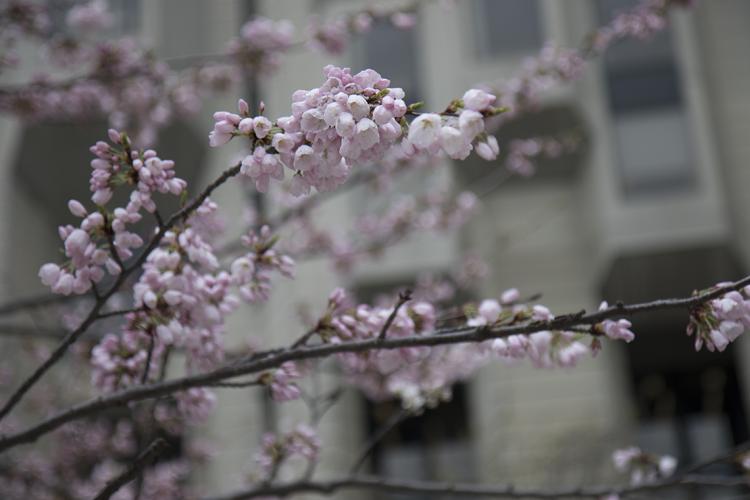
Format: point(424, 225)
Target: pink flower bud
point(49, 274)
point(243, 107)
point(76, 208)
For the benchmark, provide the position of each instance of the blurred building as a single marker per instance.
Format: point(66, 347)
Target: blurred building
point(653, 205)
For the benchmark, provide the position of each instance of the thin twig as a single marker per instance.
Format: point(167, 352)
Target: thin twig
point(403, 298)
point(119, 312)
point(156, 448)
point(393, 421)
point(149, 355)
point(306, 337)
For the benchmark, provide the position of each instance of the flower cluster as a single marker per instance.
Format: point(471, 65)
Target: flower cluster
point(182, 300)
point(643, 467)
point(89, 17)
point(87, 455)
point(281, 382)
point(458, 133)
point(333, 36)
point(19, 18)
point(252, 272)
point(349, 120)
point(120, 360)
point(615, 329)
point(261, 43)
point(545, 349)
point(196, 404)
point(103, 239)
point(642, 22)
point(521, 153)
point(275, 449)
point(719, 322)
point(552, 65)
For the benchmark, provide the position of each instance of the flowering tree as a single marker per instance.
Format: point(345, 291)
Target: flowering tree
point(355, 129)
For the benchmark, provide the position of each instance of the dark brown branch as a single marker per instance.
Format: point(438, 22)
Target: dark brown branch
point(385, 429)
point(148, 455)
point(403, 298)
point(238, 385)
point(306, 337)
point(271, 359)
point(179, 216)
point(441, 489)
point(149, 356)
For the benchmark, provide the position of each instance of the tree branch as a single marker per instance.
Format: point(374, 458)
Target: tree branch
point(376, 438)
point(156, 448)
point(261, 361)
point(442, 489)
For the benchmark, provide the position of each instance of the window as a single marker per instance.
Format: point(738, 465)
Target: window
point(503, 27)
point(688, 404)
point(393, 52)
point(125, 14)
point(432, 446)
point(650, 120)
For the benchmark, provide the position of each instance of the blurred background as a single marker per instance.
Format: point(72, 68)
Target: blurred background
point(652, 202)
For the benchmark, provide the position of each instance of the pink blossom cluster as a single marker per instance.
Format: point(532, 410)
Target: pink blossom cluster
point(120, 81)
point(261, 43)
point(281, 382)
point(195, 404)
point(458, 133)
point(349, 120)
point(721, 321)
point(551, 66)
point(103, 238)
point(302, 442)
point(186, 296)
point(90, 17)
point(643, 467)
point(615, 329)
point(25, 17)
point(419, 376)
point(183, 299)
point(83, 458)
point(119, 164)
point(253, 271)
point(554, 65)
point(163, 481)
point(522, 152)
point(545, 349)
point(333, 37)
point(19, 18)
point(120, 360)
point(642, 21)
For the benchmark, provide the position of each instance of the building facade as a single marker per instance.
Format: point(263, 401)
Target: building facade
point(653, 205)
